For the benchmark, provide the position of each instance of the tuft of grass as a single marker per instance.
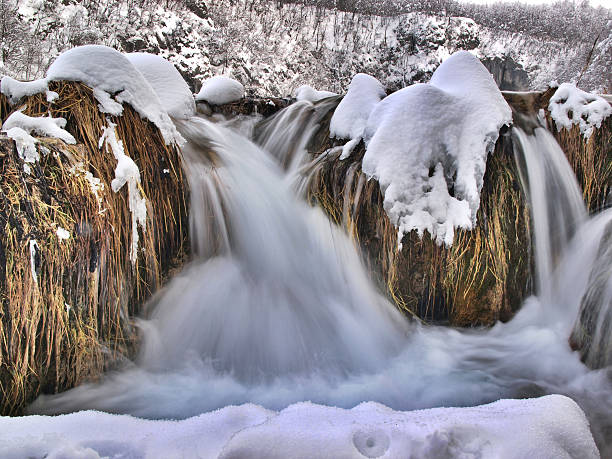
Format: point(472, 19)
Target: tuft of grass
point(75, 319)
point(591, 160)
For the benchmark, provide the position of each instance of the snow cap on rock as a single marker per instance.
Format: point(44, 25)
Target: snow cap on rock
point(427, 146)
point(310, 94)
point(220, 90)
point(108, 71)
point(349, 119)
point(570, 105)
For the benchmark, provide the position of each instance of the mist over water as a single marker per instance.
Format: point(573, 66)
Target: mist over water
point(277, 307)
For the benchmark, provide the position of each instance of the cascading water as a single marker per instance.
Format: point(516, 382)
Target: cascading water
point(276, 307)
point(556, 202)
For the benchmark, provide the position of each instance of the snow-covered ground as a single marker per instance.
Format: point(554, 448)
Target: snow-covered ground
point(547, 427)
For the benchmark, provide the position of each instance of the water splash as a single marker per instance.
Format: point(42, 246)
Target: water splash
point(277, 308)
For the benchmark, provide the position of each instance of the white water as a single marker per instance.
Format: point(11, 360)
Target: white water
point(277, 308)
point(556, 202)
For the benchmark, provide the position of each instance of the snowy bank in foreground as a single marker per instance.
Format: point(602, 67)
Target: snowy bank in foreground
point(551, 427)
point(220, 90)
point(427, 146)
point(569, 105)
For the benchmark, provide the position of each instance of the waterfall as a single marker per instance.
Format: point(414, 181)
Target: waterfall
point(277, 307)
point(555, 199)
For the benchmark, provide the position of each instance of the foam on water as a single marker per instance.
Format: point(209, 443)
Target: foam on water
point(276, 307)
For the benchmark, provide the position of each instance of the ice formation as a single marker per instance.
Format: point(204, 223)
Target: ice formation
point(26, 146)
point(62, 233)
point(220, 90)
point(109, 72)
point(127, 171)
point(95, 184)
point(173, 92)
point(427, 146)
point(570, 105)
point(551, 426)
point(310, 94)
point(33, 252)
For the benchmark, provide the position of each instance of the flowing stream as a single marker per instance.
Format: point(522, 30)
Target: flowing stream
point(277, 307)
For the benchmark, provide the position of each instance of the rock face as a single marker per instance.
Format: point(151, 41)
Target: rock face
point(592, 334)
point(68, 289)
point(508, 74)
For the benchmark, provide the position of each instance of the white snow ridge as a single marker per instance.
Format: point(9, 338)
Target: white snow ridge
point(114, 80)
point(167, 82)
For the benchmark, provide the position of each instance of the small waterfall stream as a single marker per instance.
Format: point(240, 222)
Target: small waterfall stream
point(556, 202)
point(277, 307)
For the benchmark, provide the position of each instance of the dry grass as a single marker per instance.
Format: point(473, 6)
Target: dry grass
point(480, 279)
point(74, 321)
point(591, 161)
point(486, 274)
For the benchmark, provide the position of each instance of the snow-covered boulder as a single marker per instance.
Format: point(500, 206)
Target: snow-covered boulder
point(114, 80)
point(172, 90)
point(310, 94)
point(551, 426)
point(570, 105)
point(220, 90)
point(427, 146)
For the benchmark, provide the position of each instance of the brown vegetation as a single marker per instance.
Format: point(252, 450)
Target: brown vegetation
point(480, 279)
point(486, 274)
point(66, 312)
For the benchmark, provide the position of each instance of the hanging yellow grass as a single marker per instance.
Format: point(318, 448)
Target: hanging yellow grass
point(75, 319)
point(486, 274)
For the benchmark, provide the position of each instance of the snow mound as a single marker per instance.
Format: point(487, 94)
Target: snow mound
point(551, 426)
point(220, 90)
point(350, 117)
point(570, 105)
point(427, 146)
point(169, 85)
point(310, 94)
point(115, 80)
